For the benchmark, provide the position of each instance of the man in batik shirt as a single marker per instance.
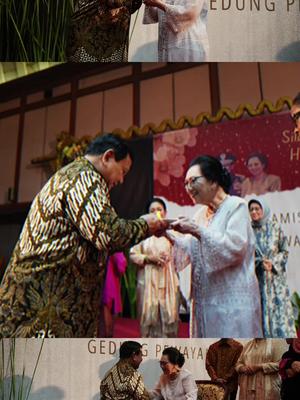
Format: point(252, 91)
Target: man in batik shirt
point(123, 382)
point(220, 364)
point(53, 283)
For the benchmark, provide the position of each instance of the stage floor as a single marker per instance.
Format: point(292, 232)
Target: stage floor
point(129, 328)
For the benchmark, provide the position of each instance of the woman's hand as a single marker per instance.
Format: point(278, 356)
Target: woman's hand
point(155, 3)
point(267, 265)
point(156, 226)
point(296, 367)
point(158, 260)
point(185, 225)
point(247, 370)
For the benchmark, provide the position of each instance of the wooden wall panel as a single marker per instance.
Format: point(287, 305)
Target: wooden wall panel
point(89, 114)
point(118, 108)
point(192, 91)
point(33, 145)
point(280, 79)
point(8, 149)
point(156, 99)
point(239, 83)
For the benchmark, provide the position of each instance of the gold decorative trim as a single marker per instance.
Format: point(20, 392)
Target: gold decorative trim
point(68, 147)
point(188, 122)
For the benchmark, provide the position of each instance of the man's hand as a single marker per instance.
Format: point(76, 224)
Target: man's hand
point(156, 226)
point(155, 3)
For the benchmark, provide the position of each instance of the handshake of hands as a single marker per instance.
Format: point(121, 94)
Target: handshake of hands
point(158, 226)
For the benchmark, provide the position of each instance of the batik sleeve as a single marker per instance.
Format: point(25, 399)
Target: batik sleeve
point(136, 388)
point(209, 364)
point(88, 206)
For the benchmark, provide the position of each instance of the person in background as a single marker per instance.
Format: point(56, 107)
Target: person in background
point(123, 381)
point(99, 30)
point(228, 160)
point(271, 256)
point(182, 29)
point(175, 383)
point(221, 359)
point(289, 370)
point(260, 182)
point(295, 113)
point(258, 368)
point(111, 299)
point(158, 292)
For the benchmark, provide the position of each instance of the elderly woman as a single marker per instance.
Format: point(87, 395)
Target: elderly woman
point(99, 30)
point(270, 261)
point(182, 29)
point(157, 282)
point(260, 182)
point(258, 367)
point(225, 293)
point(175, 383)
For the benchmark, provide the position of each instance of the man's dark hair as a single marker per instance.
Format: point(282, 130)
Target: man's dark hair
point(106, 142)
point(296, 100)
point(129, 348)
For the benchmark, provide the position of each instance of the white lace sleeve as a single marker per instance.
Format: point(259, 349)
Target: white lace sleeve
point(181, 17)
point(182, 252)
point(227, 248)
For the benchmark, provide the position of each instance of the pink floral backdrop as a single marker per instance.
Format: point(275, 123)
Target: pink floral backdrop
point(271, 135)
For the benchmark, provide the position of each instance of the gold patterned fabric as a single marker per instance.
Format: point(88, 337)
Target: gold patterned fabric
point(221, 359)
point(99, 30)
point(123, 382)
point(210, 391)
point(53, 283)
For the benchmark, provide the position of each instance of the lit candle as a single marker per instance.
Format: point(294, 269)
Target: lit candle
point(158, 214)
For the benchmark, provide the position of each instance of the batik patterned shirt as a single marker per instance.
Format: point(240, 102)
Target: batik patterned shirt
point(123, 382)
point(53, 283)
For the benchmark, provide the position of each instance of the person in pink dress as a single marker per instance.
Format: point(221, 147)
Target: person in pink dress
point(111, 304)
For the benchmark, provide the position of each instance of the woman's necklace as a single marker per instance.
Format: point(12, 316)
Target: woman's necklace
point(211, 212)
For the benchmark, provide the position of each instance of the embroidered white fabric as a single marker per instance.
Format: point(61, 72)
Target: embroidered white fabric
point(182, 30)
point(225, 292)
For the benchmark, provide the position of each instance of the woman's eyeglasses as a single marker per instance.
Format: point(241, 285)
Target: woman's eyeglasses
point(295, 116)
point(192, 181)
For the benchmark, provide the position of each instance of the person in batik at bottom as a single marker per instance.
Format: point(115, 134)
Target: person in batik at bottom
point(220, 364)
point(123, 381)
point(157, 282)
point(258, 368)
point(289, 370)
point(99, 30)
